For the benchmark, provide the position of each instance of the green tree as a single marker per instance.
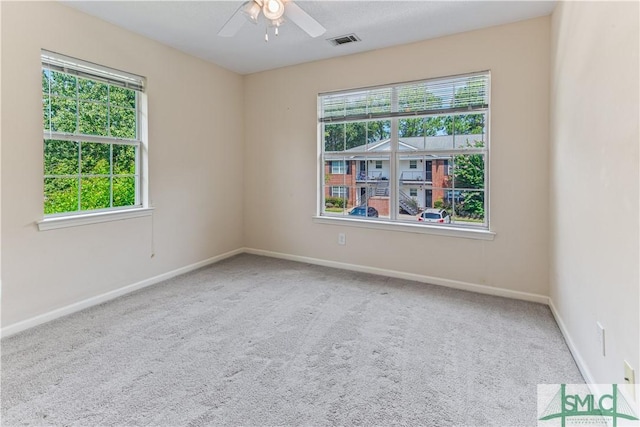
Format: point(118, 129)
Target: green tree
point(345, 136)
point(468, 174)
point(471, 94)
point(87, 175)
point(414, 99)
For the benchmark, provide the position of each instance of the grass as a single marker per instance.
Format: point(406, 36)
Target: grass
point(334, 210)
point(465, 219)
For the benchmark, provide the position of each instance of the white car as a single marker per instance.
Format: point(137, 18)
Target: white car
point(435, 215)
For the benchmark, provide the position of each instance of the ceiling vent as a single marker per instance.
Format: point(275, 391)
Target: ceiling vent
point(349, 38)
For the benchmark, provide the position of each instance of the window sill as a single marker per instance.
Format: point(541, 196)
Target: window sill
point(91, 218)
point(465, 233)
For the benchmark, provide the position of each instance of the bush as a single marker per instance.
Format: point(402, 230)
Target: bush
point(335, 202)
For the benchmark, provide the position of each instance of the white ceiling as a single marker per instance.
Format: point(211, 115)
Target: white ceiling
point(192, 26)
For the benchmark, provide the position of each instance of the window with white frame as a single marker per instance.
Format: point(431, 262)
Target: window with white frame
point(338, 167)
point(339, 191)
point(92, 138)
point(426, 141)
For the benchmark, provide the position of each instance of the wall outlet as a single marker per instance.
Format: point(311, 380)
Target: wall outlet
point(342, 239)
point(601, 339)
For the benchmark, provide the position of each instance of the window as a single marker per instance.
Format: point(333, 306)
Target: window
point(92, 137)
point(439, 123)
point(338, 167)
point(339, 191)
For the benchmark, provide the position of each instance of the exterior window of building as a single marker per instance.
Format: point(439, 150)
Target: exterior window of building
point(338, 167)
point(92, 139)
point(440, 124)
point(339, 191)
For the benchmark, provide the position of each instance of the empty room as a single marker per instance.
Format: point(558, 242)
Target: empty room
point(292, 212)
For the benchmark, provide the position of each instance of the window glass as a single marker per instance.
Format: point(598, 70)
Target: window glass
point(436, 156)
point(91, 145)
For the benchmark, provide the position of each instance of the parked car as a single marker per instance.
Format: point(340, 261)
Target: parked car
point(435, 215)
point(364, 211)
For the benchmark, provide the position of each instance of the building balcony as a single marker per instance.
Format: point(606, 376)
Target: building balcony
point(371, 177)
point(415, 176)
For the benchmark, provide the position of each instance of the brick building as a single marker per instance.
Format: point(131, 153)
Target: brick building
point(364, 177)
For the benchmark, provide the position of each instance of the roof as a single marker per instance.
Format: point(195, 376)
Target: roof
point(419, 143)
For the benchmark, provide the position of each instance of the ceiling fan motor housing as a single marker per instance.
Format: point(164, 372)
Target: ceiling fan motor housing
point(273, 9)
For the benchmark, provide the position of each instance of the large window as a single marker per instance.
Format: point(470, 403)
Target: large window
point(92, 140)
point(408, 148)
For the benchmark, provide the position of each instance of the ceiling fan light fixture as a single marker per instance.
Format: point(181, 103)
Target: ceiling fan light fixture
point(273, 9)
point(252, 11)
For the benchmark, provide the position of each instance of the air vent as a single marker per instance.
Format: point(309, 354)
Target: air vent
point(349, 38)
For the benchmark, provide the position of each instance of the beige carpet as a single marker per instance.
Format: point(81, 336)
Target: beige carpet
point(260, 341)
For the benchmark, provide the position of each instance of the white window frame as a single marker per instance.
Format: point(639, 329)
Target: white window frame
point(338, 167)
point(459, 230)
point(341, 190)
point(87, 70)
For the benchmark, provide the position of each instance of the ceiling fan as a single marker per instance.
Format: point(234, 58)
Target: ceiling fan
point(274, 12)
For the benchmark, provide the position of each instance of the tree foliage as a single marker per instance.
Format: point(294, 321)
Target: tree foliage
point(468, 173)
point(345, 136)
point(81, 175)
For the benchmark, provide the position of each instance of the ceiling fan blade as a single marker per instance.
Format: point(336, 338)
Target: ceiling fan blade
point(234, 23)
point(303, 20)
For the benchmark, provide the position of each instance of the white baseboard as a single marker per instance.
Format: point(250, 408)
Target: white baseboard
point(582, 366)
point(455, 284)
point(99, 299)
point(489, 290)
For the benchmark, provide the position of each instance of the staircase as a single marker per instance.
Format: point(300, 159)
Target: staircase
point(407, 204)
point(382, 189)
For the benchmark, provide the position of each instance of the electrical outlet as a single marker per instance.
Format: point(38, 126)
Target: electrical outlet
point(630, 379)
point(601, 339)
point(342, 239)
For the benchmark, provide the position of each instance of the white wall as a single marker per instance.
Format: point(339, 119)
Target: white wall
point(281, 159)
point(195, 165)
point(594, 169)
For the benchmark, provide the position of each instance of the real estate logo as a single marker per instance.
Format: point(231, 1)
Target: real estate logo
point(575, 405)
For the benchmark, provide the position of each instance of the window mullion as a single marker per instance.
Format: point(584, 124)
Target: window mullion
point(393, 167)
point(89, 138)
point(79, 175)
point(110, 175)
point(77, 107)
